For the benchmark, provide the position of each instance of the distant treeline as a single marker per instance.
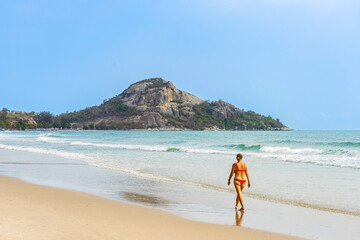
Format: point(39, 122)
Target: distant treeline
point(23, 120)
point(18, 120)
point(245, 120)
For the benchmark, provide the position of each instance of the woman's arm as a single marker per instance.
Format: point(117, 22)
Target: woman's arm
point(231, 173)
point(247, 176)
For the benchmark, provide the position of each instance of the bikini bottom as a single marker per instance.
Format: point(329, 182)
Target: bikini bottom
point(240, 181)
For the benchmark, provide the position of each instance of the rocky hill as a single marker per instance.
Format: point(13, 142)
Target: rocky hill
point(157, 95)
point(158, 105)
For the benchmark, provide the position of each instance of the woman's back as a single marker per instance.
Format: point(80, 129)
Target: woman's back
point(240, 169)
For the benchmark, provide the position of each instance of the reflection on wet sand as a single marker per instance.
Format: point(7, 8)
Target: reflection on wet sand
point(141, 198)
point(239, 219)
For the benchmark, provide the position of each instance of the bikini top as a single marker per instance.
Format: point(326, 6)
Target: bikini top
point(240, 170)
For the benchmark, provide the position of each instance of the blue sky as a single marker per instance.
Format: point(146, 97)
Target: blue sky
point(293, 60)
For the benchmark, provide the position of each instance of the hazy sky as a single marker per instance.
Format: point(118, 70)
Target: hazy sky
point(296, 60)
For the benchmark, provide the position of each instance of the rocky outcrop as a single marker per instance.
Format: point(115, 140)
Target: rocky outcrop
point(158, 95)
point(158, 105)
point(224, 110)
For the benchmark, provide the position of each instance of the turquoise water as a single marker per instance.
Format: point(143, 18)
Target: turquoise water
point(315, 169)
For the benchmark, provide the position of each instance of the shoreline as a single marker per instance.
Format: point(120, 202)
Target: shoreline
point(186, 201)
point(32, 211)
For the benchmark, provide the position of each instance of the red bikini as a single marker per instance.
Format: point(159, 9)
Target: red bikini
point(240, 181)
point(240, 170)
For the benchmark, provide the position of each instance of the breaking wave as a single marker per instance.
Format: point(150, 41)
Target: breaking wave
point(243, 146)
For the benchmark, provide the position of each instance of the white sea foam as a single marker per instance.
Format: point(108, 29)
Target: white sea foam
point(287, 154)
point(64, 154)
point(156, 148)
point(47, 134)
point(205, 151)
point(50, 137)
point(285, 150)
point(329, 157)
point(352, 161)
point(50, 140)
point(5, 135)
point(122, 146)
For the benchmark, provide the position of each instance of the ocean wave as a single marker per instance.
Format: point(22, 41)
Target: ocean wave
point(205, 151)
point(287, 154)
point(345, 144)
point(339, 157)
point(50, 140)
point(290, 150)
point(154, 148)
point(47, 134)
point(69, 155)
point(243, 146)
point(338, 152)
point(173, 150)
point(50, 137)
point(324, 157)
point(348, 161)
point(290, 153)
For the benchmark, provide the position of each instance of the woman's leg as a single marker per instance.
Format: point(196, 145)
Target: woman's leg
point(237, 198)
point(239, 195)
point(242, 201)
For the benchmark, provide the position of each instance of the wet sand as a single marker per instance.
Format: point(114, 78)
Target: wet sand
point(30, 211)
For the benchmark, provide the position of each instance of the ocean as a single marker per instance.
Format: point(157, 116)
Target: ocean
point(311, 169)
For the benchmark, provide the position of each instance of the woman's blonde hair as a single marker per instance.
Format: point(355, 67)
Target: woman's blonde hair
point(239, 156)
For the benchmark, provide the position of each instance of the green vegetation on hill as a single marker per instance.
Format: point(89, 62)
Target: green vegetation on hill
point(204, 118)
point(112, 107)
point(20, 120)
point(109, 108)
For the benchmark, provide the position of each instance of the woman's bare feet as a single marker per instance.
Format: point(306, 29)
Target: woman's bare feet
point(242, 209)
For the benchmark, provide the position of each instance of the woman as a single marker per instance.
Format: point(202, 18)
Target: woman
point(240, 170)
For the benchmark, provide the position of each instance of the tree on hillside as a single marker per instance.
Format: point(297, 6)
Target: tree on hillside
point(62, 121)
point(44, 117)
point(4, 114)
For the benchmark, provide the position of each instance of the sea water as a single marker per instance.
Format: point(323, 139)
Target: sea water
point(313, 169)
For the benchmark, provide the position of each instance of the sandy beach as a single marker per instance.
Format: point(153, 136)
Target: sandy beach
point(105, 203)
point(31, 211)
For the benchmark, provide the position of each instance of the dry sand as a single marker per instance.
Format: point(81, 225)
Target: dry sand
point(36, 212)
